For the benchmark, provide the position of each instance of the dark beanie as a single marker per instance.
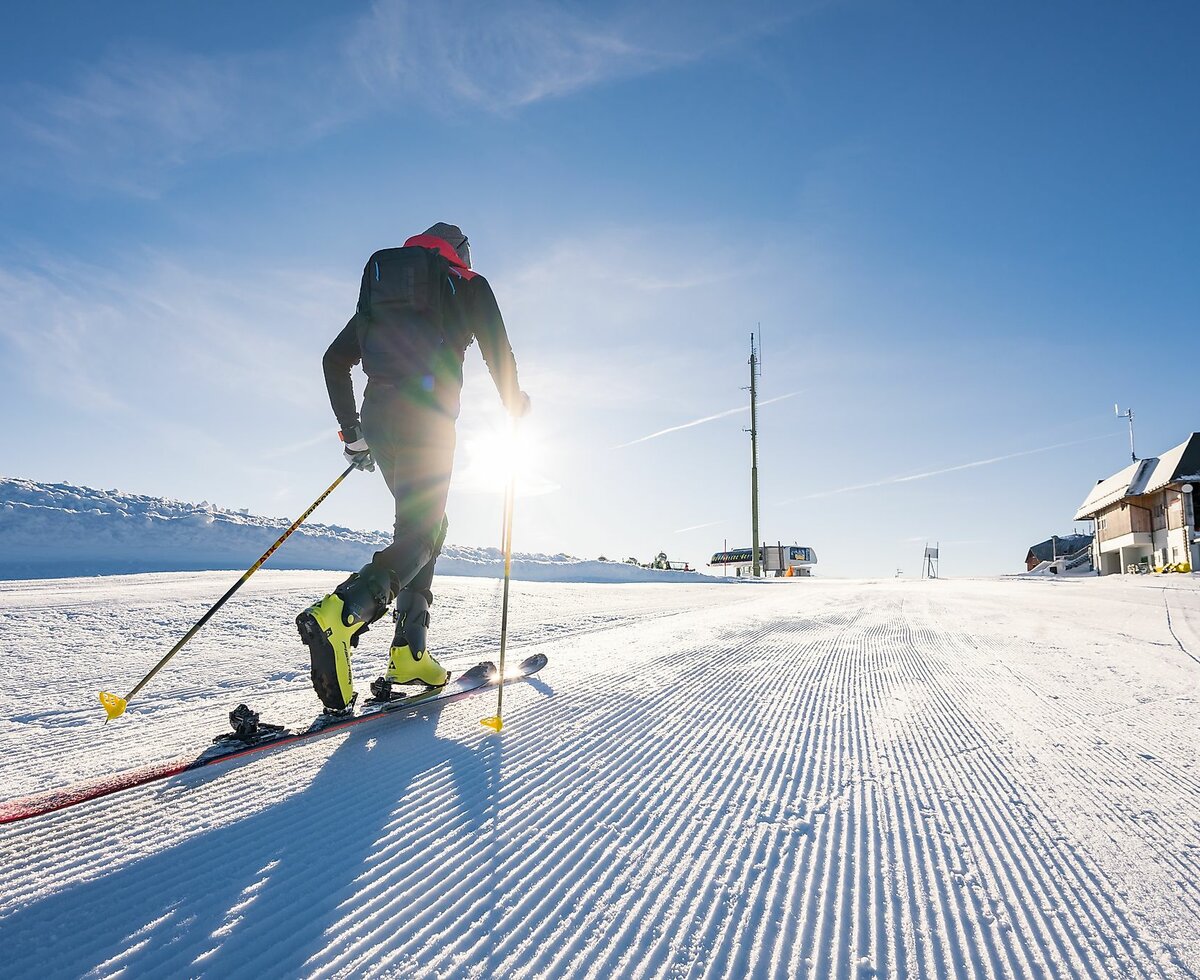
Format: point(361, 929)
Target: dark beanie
point(453, 236)
point(449, 233)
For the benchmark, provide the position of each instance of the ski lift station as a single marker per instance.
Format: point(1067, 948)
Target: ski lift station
point(779, 560)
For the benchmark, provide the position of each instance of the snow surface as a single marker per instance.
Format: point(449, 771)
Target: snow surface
point(804, 779)
point(57, 530)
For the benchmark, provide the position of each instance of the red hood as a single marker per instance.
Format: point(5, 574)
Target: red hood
point(445, 249)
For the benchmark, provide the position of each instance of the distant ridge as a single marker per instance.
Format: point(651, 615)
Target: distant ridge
point(58, 530)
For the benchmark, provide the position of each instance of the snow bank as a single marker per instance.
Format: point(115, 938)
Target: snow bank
point(60, 530)
point(489, 562)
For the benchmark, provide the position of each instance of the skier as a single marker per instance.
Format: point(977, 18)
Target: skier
point(419, 308)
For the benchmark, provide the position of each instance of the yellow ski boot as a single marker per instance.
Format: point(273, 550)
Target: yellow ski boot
point(410, 662)
point(406, 667)
point(331, 629)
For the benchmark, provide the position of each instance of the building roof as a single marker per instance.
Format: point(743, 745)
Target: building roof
point(1058, 547)
point(1109, 491)
point(1175, 465)
point(1144, 476)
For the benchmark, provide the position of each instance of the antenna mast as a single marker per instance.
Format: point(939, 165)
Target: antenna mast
point(1128, 414)
point(754, 372)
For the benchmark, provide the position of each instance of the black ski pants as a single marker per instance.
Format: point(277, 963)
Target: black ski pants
point(411, 438)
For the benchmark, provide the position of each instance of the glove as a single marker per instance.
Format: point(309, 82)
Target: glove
point(521, 407)
point(356, 448)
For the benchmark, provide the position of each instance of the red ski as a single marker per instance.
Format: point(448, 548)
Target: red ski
point(255, 738)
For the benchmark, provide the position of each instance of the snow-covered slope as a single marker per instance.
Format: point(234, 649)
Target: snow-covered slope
point(827, 779)
point(55, 530)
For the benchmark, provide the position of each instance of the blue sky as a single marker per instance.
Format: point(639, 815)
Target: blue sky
point(966, 230)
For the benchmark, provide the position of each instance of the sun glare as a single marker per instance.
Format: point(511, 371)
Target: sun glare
point(502, 451)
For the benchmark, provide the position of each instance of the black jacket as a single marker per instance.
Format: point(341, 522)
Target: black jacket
point(472, 313)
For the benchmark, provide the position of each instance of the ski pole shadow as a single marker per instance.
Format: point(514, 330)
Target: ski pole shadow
point(491, 832)
point(539, 685)
point(281, 890)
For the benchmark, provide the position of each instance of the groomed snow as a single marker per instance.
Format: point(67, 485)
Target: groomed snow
point(798, 779)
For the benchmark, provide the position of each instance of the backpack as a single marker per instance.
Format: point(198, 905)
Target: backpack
point(402, 309)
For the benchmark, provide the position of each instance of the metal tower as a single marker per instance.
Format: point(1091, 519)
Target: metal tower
point(754, 372)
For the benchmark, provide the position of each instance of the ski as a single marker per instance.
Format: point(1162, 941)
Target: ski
point(249, 737)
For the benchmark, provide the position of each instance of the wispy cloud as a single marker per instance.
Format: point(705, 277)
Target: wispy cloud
point(707, 418)
point(139, 112)
point(512, 55)
point(515, 54)
point(948, 469)
point(57, 357)
point(161, 332)
point(321, 438)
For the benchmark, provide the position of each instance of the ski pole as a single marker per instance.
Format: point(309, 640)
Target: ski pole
point(496, 722)
point(115, 706)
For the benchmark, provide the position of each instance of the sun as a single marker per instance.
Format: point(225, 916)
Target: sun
point(504, 450)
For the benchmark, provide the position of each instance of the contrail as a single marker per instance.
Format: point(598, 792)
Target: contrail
point(948, 469)
point(697, 527)
point(707, 418)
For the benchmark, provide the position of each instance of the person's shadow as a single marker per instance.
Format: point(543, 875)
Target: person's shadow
point(258, 896)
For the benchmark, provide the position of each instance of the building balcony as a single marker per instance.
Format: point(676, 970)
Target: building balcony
point(1134, 539)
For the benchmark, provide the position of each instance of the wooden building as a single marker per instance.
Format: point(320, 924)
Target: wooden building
point(1144, 515)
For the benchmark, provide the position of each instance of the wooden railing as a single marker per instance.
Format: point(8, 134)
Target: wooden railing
point(1082, 556)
